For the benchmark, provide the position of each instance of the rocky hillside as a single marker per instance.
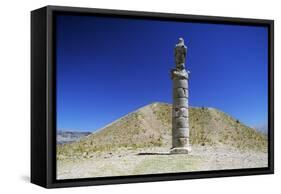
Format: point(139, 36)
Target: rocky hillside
point(151, 126)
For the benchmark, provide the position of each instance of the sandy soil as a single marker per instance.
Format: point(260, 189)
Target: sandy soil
point(157, 160)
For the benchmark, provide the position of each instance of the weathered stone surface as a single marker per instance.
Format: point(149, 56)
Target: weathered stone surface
point(180, 122)
point(180, 93)
point(182, 142)
point(180, 52)
point(181, 133)
point(180, 83)
point(181, 102)
point(180, 150)
point(184, 112)
point(180, 127)
point(179, 74)
point(180, 112)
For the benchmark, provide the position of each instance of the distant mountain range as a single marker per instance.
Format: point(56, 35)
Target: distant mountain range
point(70, 136)
point(151, 126)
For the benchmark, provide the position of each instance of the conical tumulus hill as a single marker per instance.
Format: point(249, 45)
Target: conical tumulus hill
point(151, 126)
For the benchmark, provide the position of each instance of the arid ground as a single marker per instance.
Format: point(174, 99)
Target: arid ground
point(157, 160)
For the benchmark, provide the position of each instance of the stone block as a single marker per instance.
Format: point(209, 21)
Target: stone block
point(181, 132)
point(180, 142)
point(180, 93)
point(183, 150)
point(180, 102)
point(180, 111)
point(179, 122)
point(180, 83)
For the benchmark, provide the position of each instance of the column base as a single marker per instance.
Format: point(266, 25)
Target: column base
point(180, 150)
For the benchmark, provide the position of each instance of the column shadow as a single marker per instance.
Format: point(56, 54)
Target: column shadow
point(154, 153)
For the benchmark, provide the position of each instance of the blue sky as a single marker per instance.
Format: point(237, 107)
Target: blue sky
point(108, 67)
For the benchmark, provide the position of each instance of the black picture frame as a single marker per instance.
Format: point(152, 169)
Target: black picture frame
point(43, 104)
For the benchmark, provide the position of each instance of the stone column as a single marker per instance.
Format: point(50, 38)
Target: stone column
point(180, 123)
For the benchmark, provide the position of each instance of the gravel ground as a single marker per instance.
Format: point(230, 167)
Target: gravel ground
point(157, 160)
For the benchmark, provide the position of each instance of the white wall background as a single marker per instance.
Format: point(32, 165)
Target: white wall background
point(15, 94)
